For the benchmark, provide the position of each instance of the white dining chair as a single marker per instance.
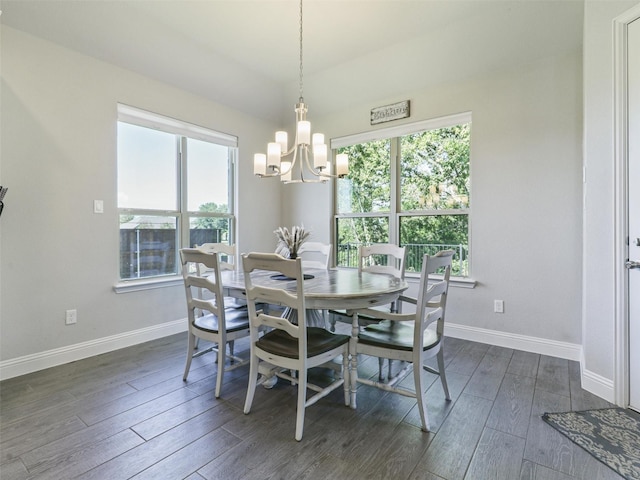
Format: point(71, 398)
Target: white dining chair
point(316, 255)
point(288, 347)
point(406, 336)
point(208, 318)
point(383, 258)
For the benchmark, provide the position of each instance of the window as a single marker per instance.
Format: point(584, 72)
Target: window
point(407, 185)
point(175, 189)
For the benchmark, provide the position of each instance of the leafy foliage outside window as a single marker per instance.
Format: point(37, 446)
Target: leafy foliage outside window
point(432, 208)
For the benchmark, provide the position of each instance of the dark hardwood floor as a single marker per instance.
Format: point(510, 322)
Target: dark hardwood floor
point(128, 414)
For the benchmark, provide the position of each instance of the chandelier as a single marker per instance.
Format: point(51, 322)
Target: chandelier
point(308, 151)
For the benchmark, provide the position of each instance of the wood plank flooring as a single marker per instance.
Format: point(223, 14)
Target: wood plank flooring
point(128, 414)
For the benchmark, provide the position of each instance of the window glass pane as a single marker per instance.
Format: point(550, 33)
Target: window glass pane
point(429, 234)
point(207, 177)
point(353, 232)
point(147, 168)
point(209, 230)
point(434, 169)
point(147, 246)
point(367, 188)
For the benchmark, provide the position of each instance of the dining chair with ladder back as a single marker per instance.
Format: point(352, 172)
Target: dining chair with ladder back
point(227, 260)
point(286, 346)
point(406, 336)
point(383, 258)
point(316, 255)
point(208, 318)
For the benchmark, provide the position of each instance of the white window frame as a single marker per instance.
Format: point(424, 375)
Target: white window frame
point(185, 130)
point(395, 212)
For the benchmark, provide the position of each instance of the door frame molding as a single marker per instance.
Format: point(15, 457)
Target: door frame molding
point(621, 233)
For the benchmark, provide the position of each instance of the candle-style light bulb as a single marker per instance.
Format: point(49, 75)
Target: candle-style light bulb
point(259, 164)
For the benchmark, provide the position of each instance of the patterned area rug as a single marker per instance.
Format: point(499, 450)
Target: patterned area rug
point(612, 435)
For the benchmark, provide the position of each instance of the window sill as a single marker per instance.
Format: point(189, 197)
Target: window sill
point(458, 282)
point(147, 284)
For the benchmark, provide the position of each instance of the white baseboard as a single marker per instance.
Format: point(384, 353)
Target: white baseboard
point(598, 385)
point(39, 361)
point(31, 363)
point(543, 346)
point(591, 382)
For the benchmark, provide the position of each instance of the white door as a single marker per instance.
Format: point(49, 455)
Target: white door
point(633, 265)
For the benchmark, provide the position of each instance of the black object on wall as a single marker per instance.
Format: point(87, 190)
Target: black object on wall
point(3, 191)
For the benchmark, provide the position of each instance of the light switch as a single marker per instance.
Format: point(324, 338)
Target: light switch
point(98, 206)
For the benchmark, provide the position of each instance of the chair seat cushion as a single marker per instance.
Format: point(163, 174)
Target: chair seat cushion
point(235, 318)
point(319, 340)
point(397, 335)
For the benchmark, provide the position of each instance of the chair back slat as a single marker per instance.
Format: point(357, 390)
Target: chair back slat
point(201, 282)
point(208, 305)
point(226, 254)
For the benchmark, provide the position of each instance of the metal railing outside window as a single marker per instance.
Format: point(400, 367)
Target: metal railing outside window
point(347, 256)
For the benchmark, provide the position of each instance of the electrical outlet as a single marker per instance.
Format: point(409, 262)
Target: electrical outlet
point(72, 317)
point(98, 206)
point(498, 306)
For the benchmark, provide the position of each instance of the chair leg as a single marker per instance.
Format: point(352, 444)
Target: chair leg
point(302, 400)
point(380, 364)
point(443, 377)
point(190, 349)
point(220, 376)
point(422, 407)
point(231, 345)
point(253, 380)
point(346, 376)
point(353, 378)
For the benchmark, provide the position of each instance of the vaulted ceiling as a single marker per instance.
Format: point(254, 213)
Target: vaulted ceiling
point(244, 53)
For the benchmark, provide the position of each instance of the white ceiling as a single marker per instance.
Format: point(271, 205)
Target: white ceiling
point(244, 53)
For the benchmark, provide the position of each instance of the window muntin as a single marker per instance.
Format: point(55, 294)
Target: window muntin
point(173, 191)
point(426, 172)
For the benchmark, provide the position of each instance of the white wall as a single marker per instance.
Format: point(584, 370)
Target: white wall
point(598, 337)
point(58, 154)
point(526, 196)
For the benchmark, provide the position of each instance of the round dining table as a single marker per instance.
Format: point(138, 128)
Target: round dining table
point(336, 289)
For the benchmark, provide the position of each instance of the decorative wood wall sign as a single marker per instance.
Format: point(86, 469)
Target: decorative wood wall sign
point(391, 112)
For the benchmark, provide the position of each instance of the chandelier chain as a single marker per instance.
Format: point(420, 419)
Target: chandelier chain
point(301, 96)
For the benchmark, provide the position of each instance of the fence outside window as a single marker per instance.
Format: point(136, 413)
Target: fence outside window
point(348, 256)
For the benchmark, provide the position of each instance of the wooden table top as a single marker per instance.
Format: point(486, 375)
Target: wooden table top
point(334, 288)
